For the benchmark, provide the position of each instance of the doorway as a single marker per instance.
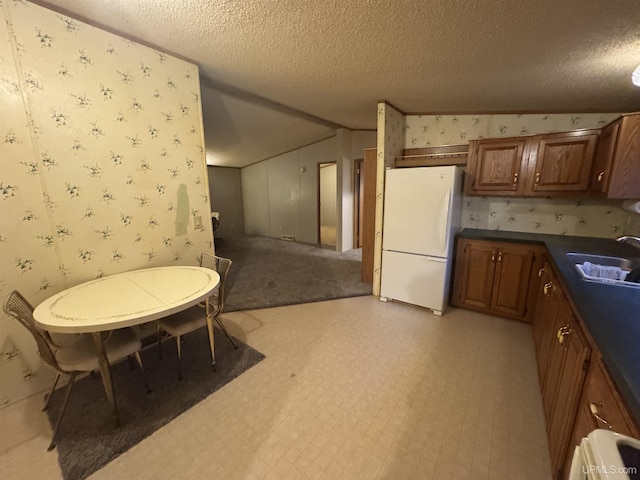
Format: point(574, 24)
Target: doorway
point(327, 203)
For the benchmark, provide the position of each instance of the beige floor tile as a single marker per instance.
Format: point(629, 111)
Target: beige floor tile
point(350, 389)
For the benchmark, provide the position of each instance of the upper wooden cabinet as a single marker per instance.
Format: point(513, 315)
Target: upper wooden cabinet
point(556, 164)
point(562, 162)
point(496, 165)
point(616, 168)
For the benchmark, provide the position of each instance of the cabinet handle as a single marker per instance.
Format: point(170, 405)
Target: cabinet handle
point(563, 332)
point(515, 178)
point(537, 178)
point(493, 256)
point(594, 411)
point(601, 175)
point(499, 256)
point(547, 288)
point(540, 272)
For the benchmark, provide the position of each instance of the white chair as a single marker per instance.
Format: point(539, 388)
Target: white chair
point(78, 355)
point(193, 318)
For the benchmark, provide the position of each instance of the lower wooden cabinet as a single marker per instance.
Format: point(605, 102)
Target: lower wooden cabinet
point(600, 407)
point(495, 277)
point(562, 353)
point(577, 394)
point(515, 280)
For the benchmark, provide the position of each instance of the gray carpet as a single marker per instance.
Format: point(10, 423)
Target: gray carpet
point(268, 272)
point(88, 440)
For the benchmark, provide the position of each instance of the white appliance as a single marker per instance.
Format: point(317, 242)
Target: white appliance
point(422, 208)
point(606, 455)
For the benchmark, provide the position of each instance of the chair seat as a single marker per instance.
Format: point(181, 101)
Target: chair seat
point(184, 322)
point(80, 355)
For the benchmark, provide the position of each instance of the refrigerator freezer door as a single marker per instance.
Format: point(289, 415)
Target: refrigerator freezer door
point(417, 210)
point(415, 279)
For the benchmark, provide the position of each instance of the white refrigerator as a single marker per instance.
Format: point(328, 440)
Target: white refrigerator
point(422, 209)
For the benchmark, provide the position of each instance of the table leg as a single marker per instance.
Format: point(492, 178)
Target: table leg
point(105, 373)
point(210, 329)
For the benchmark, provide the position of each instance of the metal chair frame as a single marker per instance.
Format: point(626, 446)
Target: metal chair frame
point(19, 308)
point(214, 306)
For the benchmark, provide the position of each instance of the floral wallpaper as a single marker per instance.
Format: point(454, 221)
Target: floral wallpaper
point(591, 218)
point(431, 130)
point(103, 166)
point(585, 218)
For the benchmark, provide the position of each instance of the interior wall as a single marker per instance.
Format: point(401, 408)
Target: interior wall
point(255, 199)
point(345, 192)
point(225, 191)
point(592, 218)
point(103, 166)
point(283, 191)
point(280, 195)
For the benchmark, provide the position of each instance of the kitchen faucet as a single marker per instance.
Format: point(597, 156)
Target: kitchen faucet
point(630, 239)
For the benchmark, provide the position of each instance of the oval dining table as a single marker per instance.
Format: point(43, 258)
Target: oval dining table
point(123, 300)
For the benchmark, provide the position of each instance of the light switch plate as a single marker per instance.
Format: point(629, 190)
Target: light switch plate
point(197, 222)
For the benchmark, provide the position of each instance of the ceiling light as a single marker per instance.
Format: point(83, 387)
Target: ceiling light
point(635, 76)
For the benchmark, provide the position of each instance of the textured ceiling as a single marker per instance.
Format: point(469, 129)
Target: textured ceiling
point(285, 72)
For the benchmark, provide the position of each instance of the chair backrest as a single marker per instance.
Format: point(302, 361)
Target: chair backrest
point(220, 265)
point(18, 307)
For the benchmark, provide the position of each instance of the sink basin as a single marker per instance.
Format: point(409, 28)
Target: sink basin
point(606, 266)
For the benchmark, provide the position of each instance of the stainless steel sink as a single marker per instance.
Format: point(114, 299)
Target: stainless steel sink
point(626, 264)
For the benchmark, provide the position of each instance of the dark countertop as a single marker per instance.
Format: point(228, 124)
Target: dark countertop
point(610, 313)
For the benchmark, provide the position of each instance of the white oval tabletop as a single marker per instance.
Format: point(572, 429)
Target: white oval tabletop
point(126, 299)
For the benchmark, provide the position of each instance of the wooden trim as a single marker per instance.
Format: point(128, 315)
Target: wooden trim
point(357, 201)
point(433, 156)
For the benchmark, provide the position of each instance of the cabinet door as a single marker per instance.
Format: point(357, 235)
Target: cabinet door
point(540, 316)
point(624, 171)
point(474, 274)
point(544, 322)
point(511, 281)
point(496, 166)
point(562, 162)
point(607, 410)
point(551, 375)
point(600, 407)
point(574, 356)
point(601, 170)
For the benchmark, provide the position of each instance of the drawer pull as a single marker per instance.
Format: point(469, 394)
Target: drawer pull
point(540, 272)
point(601, 175)
point(547, 288)
point(594, 411)
point(515, 178)
point(493, 256)
point(499, 256)
point(537, 178)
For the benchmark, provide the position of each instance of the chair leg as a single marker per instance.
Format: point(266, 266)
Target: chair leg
point(144, 377)
point(52, 445)
point(48, 396)
point(219, 322)
point(179, 356)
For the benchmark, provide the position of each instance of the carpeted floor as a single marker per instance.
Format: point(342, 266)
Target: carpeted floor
point(88, 440)
point(269, 272)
